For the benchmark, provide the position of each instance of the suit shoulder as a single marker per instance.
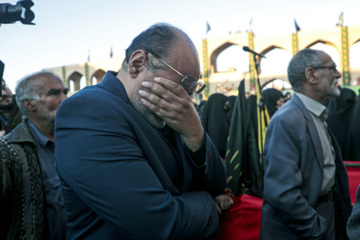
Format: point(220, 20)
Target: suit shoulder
point(288, 112)
point(90, 97)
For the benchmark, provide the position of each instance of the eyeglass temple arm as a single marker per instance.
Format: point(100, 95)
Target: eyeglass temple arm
point(171, 67)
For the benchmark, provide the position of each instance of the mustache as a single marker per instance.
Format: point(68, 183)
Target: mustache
point(4, 96)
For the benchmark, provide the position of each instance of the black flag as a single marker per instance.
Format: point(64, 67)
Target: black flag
point(244, 170)
point(296, 26)
point(208, 28)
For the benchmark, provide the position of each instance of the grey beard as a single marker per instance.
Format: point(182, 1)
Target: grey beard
point(151, 117)
point(47, 122)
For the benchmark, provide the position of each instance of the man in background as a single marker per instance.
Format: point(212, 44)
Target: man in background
point(134, 160)
point(31, 201)
point(10, 115)
point(306, 193)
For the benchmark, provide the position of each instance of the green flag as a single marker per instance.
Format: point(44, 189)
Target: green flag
point(244, 170)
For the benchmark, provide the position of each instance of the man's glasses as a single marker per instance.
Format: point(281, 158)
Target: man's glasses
point(331, 67)
point(188, 82)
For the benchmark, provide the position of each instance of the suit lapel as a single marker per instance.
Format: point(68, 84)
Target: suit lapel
point(314, 135)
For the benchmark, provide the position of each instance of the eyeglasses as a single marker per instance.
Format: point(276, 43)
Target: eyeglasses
point(332, 67)
point(188, 81)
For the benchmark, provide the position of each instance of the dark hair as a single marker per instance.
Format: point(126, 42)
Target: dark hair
point(301, 60)
point(157, 39)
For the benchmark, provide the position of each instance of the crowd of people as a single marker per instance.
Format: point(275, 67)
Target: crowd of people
point(133, 158)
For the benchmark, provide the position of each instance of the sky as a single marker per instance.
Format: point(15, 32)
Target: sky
point(66, 32)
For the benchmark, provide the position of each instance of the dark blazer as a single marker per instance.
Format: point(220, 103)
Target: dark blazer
point(122, 179)
point(293, 161)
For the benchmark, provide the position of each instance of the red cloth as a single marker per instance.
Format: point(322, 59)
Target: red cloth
point(353, 170)
point(242, 221)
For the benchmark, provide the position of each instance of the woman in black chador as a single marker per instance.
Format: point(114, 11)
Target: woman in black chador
point(216, 117)
point(273, 100)
point(343, 120)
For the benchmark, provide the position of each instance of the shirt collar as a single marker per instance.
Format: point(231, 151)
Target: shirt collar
point(313, 106)
point(38, 135)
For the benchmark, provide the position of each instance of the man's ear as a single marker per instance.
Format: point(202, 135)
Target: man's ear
point(311, 75)
point(136, 63)
point(28, 104)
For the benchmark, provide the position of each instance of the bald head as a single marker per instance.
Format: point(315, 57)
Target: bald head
point(159, 40)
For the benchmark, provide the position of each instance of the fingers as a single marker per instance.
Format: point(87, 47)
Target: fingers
point(156, 104)
point(218, 208)
point(173, 86)
point(172, 104)
point(156, 95)
point(224, 201)
point(165, 88)
point(163, 96)
point(225, 205)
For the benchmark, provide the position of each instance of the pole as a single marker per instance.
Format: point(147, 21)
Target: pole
point(261, 108)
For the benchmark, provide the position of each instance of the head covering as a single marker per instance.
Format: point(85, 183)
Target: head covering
point(343, 120)
point(344, 100)
point(215, 117)
point(200, 108)
point(270, 97)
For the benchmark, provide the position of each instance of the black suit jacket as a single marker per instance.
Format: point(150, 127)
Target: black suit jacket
point(122, 179)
